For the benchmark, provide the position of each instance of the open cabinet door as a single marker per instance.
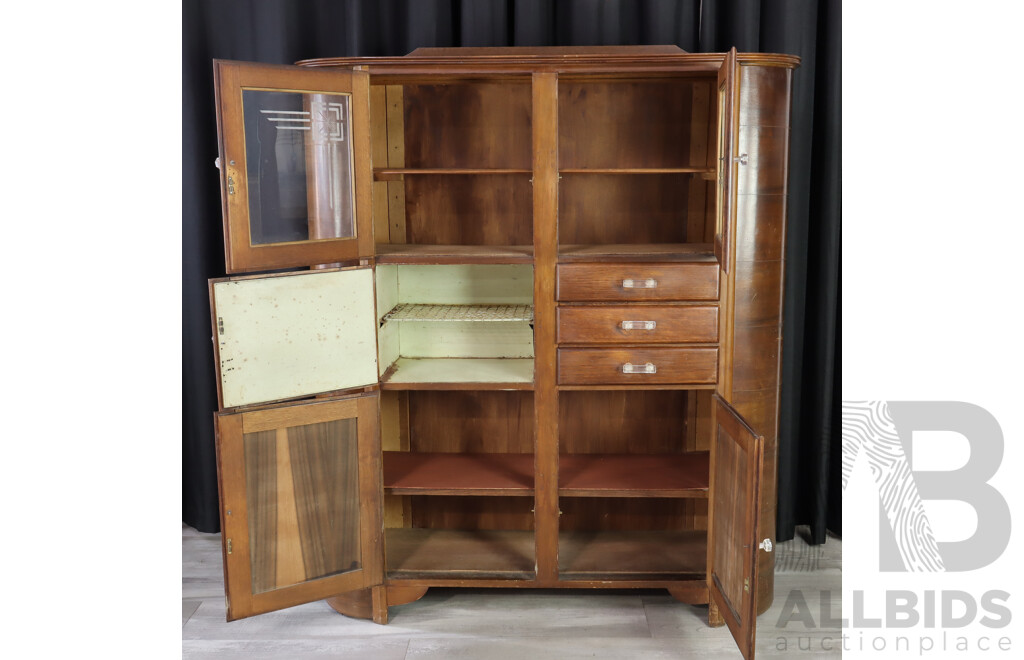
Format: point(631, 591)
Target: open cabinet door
point(300, 496)
point(733, 531)
point(290, 335)
point(295, 165)
point(727, 128)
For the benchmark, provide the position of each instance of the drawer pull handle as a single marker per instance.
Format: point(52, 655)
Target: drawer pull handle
point(648, 368)
point(638, 325)
point(649, 283)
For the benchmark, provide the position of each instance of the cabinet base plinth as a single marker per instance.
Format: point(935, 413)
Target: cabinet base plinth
point(373, 603)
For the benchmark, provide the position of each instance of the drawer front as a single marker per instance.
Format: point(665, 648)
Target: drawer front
point(632, 324)
point(636, 366)
point(626, 282)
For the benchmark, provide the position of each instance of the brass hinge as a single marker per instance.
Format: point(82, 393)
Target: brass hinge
point(229, 546)
point(746, 584)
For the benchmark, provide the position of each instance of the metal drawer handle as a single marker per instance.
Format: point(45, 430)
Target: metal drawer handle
point(648, 368)
point(638, 325)
point(640, 284)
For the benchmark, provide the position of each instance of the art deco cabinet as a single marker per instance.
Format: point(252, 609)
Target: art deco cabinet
point(518, 325)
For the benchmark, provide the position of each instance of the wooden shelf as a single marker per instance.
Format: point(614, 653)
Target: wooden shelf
point(475, 313)
point(414, 553)
point(409, 473)
point(407, 253)
point(634, 475)
point(637, 170)
point(396, 173)
point(459, 374)
point(643, 252)
point(632, 555)
point(580, 475)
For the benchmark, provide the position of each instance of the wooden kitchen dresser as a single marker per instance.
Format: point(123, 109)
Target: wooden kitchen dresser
point(516, 323)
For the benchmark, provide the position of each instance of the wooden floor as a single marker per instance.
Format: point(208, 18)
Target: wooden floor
point(492, 624)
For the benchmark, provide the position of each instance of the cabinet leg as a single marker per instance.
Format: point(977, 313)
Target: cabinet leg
point(379, 601)
point(355, 604)
point(714, 616)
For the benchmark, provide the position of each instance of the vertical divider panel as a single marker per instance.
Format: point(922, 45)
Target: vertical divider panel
point(545, 249)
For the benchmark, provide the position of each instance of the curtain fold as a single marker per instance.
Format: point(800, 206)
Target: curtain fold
point(283, 31)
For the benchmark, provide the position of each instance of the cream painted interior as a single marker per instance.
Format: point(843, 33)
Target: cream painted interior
point(428, 351)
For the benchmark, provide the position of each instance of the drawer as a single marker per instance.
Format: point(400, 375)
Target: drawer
point(649, 366)
point(655, 324)
point(615, 282)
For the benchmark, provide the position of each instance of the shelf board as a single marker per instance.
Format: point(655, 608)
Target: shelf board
point(629, 252)
point(459, 374)
point(414, 473)
point(475, 313)
point(580, 475)
point(637, 170)
point(416, 553)
point(408, 253)
point(632, 555)
point(634, 475)
point(396, 173)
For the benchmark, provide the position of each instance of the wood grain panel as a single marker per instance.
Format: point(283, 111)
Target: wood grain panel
point(622, 514)
point(767, 149)
point(623, 208)
point(468, 513)
point(622, 421)
point(487, 421)
point(605, 282)
point(603, 366)
point(764, 95)
point(467, 209)
point(679, 324)
point(760, 224)
point(303, 502)
point(624, 124)
point(758, 298)
point(481, 125)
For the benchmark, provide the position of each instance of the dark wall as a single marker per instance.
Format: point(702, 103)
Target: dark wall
point(283, 31)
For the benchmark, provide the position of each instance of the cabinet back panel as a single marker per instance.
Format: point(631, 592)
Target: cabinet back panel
point(480, 125)
point(469, 209)
point(629, 124)
point(444, 512)
point(623, 208)
point(622, 422)
point(471, 421)
point(593, 514)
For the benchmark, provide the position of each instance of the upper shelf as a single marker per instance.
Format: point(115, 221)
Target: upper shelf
point(396, 173)
point(629, 252)
point(706, 171)
point(411, 312)
point(409, 253)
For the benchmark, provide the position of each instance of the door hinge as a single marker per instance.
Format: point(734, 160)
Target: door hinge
point(220, 325)
point(229, 546)
point(746, 585)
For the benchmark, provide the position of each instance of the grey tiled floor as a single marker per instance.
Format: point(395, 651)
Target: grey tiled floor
point(490, 624)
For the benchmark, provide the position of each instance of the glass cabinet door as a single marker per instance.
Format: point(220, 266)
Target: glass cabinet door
point(727, 126)
point(300, 500)
point(294, 160)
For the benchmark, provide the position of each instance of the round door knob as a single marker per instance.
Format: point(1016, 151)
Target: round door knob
point(766, 545)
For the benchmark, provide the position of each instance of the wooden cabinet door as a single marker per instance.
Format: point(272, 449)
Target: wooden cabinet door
point(733, 530)
point(295, 165)
point(300, 496)
point(290, 335)
point(728, 119)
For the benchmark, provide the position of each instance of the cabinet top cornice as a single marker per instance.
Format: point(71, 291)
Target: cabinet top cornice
point(552, 58)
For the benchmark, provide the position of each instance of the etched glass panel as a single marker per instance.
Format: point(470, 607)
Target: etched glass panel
point(298, 153)
point(302, 494)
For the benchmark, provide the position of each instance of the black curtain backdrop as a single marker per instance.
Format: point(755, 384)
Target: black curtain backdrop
point(284, 31)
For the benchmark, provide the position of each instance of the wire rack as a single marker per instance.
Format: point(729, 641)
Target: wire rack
point(407, 312)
